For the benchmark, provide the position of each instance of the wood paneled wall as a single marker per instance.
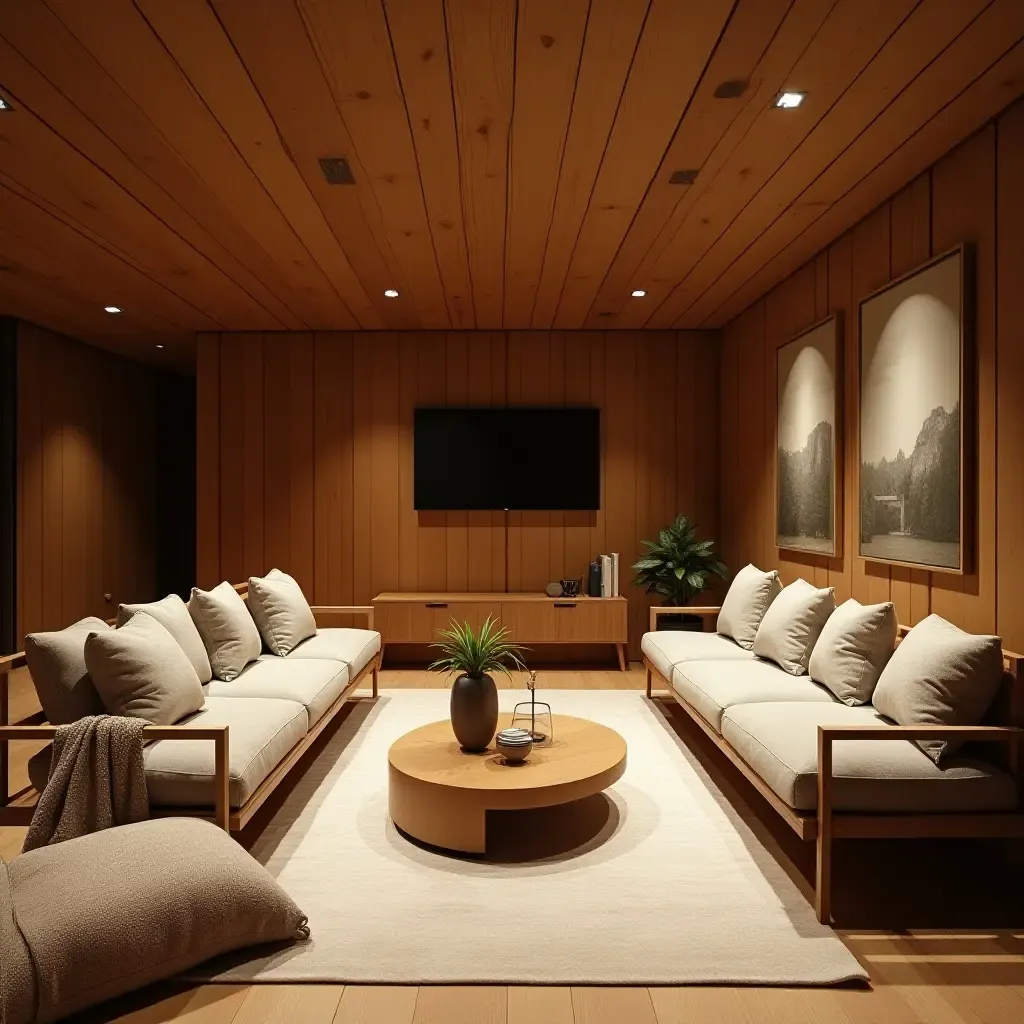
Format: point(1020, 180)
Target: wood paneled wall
point(86, 481)
point(971, 195)
point(306, 457)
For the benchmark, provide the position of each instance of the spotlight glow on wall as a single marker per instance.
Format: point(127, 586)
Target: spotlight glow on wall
point(790, 100)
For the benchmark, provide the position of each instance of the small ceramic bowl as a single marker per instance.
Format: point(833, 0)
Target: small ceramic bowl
point(514, 749)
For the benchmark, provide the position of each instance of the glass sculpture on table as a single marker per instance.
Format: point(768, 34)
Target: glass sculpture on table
point(529, 714)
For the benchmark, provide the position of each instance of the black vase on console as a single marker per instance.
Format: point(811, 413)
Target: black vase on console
point(474, 712)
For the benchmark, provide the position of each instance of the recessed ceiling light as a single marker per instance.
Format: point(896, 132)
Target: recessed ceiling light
point(112, 309)
point(790, 100)
point(391, 293)
point(638, 293)
point(159, 345)
point(4, 104)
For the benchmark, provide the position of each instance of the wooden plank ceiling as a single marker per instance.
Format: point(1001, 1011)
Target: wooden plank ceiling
point(511, 158)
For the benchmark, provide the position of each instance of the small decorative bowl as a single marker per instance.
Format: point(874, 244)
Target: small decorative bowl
point(514, 745)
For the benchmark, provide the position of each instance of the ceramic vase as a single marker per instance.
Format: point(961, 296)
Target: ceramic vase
point(474, 711)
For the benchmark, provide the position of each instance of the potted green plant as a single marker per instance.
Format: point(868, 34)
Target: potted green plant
point(678, 567)
point(474, 703)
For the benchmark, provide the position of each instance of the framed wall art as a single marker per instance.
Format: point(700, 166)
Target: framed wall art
point(913, 364)
point(808, 462)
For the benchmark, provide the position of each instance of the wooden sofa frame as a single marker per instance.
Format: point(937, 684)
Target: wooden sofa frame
point(17, 808)
point(825, 824)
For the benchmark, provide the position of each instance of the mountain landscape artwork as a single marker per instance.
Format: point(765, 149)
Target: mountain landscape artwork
point(806, 459)
point(911, 491)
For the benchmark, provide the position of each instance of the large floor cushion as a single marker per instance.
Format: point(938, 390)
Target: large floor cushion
point(261, 731)
point(314, 683)
point(667, 648)
point(713, 686)
point(355, 647)
point(780, 742)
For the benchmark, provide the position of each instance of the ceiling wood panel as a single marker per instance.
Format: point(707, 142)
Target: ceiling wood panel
point(511, 158)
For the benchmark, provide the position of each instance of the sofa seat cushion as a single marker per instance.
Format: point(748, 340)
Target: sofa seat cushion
point(355, 647)
point(713, 686)
point(667, 648)
point(314, 683)
point(780, 742)
point(261, 731)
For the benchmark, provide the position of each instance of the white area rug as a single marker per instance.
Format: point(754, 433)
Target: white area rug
point(668, 887)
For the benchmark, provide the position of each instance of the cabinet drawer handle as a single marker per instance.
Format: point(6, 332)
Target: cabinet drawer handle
point(437, 604)
point(565, 604)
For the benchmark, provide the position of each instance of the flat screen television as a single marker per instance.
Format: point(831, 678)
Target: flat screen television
point(515, 459)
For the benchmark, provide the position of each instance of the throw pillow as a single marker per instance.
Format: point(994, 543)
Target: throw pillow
point(57, 664)
point(117, 910)
point(172, 614)
point(940, 675)
point(749, 596)
point(853, 648)
point(281, 611)
point(231, 637)
point(140, 672)
point(792, 624)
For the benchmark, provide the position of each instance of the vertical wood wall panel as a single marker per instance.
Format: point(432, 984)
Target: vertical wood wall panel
point(317, 432)
point(970, 195)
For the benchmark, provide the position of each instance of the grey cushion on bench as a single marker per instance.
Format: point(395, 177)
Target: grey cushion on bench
point(749, 596)
point(712, 686)
point(314, 683)
point(228, 631)
point(281, 611)
point(180, 773)
point(668, 648)
point(116, 910)
point(172, 613)
point(57, 663)
point(780, 742)
point(353, 647)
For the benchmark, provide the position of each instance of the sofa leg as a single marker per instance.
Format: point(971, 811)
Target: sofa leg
point(376, 667)
point(649, 681)
point(823, 886)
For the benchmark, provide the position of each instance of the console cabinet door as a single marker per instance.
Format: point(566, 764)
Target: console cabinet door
point(530, 621)
point(418, 622)
point(590, 620)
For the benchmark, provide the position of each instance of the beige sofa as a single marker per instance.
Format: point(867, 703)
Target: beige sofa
point(225, 760)
point(779, 730)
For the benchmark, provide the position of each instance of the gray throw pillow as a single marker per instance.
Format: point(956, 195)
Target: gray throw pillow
point(281, 611)
point(792, 624)
point(117, 910)
point(57, 664)
point(172, 614)
point(853, 648)
point(140, 671)
point(228, 631)
point(750, 594)
point(940, 675)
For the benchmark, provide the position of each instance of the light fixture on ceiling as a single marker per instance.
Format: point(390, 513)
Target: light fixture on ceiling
point(391, 293)
point(790, 100)
point(5, 104)
point(731, 89)
point(111, 309)
point(684, 177)
point(638, 293)
point(158, 345)
point(336, 170)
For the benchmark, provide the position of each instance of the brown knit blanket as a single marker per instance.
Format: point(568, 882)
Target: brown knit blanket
point(97, 780)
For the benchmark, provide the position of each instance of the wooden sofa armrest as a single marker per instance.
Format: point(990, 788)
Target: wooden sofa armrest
point(328, 610)
point(9, 662)
point(217, 733)
point(704, 611)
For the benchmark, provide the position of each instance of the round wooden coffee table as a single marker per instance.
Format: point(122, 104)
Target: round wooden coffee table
point(441, 795)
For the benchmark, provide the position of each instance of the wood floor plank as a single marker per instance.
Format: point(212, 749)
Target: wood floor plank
point(283, 1004)
point(377, 1004)
point(208, 1004)
point(461, 1004)
point(527, 1005)
point(613, 1006)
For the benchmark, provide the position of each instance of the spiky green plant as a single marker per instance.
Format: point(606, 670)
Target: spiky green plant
point(677, 565)
point(476, 654)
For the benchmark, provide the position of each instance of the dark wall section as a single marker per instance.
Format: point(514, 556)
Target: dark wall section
point(8, 482)
point(176, 484)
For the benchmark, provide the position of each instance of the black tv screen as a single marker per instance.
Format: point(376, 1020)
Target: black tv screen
point(517, 459)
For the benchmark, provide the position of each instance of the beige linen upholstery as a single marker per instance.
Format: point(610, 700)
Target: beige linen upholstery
point(712, 686)
point(57, 663)
point(780, 742)
point(791, 626)
point(749, 597)
point(354, 647)
point(315, 684)
point(229, 634)
point(940, 675)
point(140, 671)
point(112, 912)
point(281, 611)
point(172, 613)
point(853, 648)
point(667, 648)
point(261, 731)
point(17, 979)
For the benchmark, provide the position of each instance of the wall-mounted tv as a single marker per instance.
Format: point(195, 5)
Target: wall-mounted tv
point(515, 459)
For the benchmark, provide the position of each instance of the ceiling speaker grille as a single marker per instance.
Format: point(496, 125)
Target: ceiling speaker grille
point(336, 170)
point(687, 177)
point(731, 89)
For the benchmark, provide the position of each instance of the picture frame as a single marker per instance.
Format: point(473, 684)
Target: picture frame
point(915, 380)
point(808, 441)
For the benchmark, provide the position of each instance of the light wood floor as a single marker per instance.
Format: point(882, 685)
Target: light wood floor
point(971, 976)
